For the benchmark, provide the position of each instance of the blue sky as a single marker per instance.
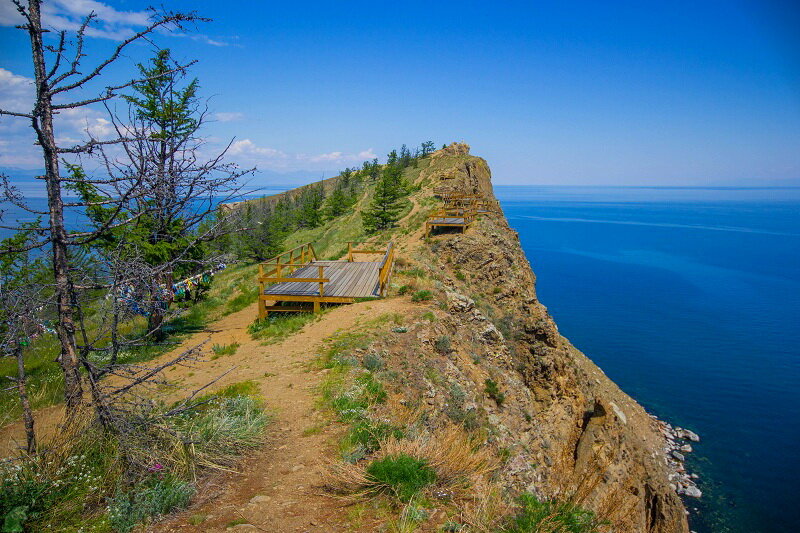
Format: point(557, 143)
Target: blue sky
point(620, 93)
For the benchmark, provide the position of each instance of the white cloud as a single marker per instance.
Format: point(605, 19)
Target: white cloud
point(109, 23)
point(248, 147)
point(72, 126)
point(228, 117)
point(249, 153)
point(16, 92)
point(332, 156)
point(69, 14)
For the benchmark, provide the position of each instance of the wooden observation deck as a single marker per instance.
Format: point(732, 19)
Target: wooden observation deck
point(457, 217)
point(460, 210)
point(296, 277)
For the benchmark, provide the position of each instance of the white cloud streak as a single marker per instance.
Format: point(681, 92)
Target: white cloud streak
point(17, 93)
point(228, 117)
point(109, 23)
point(249, 153)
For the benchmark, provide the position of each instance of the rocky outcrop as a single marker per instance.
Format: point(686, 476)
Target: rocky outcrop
point(569, 430)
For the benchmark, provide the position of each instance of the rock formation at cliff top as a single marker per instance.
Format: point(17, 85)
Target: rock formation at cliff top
point(570, 430)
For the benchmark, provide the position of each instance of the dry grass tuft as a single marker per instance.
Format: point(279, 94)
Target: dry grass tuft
point(485, 511)
point(459, 462)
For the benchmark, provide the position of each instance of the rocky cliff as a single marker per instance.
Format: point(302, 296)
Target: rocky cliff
point(566, 430)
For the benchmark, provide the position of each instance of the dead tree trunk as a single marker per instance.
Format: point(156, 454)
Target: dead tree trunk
point(27, 414)
point(42, 123)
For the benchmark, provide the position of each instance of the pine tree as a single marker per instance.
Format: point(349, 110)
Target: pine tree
point(405, 156)
point(390, 192)
point(309, 206)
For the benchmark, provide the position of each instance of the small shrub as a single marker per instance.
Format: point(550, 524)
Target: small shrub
point(497, 290)
point(197, 519)
point(353, 403)
point(494, 392)
point(422, 296)
point(460, 275)
point(442, 344)
point(369, 434)
point(534, 516)
point(468, 418)
point(373, 362)
point(429, 316)
point(405, 289)
point(151, 498)
point(403, 475)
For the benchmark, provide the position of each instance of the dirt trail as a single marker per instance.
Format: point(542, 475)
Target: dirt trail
point(276, 489)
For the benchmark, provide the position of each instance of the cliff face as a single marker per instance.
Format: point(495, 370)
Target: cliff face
point(569, 430)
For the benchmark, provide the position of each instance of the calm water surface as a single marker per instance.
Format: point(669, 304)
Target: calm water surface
point(690, 300)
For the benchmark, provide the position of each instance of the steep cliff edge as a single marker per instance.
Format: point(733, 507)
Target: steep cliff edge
point(569, 431)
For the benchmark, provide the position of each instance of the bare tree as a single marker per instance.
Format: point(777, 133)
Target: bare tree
point(60, 69)
point(22, 297)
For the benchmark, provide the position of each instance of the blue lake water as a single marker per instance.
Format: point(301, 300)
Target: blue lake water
point(689, 299)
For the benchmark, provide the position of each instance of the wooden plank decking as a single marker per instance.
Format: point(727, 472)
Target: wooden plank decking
point(451, 221)
point(347, 280)
point(299, 278)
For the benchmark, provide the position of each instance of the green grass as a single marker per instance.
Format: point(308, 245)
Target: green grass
point(412, 273)
point(366, 435)
point(339, 348)
point(534, 516)
point(279, 326)
point(94, 481)
point(224, 349)
point(402, 475)
point(422, 296)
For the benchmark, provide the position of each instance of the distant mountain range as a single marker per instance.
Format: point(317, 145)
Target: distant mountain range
point(264, 182)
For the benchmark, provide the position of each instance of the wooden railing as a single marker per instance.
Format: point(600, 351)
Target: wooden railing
point(279, 268)
point(352, 252)
point(467, 213)
point(385, 272)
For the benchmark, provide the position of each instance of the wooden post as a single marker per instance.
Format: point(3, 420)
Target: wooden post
point(261, 303)
point(350, 251)
point(321, 288)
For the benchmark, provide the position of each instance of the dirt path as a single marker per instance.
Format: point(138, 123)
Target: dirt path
point(276, 489)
